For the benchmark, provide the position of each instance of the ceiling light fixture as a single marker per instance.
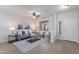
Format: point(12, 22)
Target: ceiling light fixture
point(64, 6)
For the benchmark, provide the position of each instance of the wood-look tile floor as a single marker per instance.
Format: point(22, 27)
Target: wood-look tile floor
point(58, 47)
point(6, 48)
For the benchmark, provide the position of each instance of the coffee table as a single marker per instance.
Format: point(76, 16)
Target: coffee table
point(33, 39)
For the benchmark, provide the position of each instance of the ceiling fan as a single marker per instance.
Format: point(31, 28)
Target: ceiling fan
point(33, 14)
point(36, 15)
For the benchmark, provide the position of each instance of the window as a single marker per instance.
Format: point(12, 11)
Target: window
point(44, 25)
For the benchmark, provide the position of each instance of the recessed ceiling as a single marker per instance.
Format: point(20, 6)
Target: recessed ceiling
point(26, 10)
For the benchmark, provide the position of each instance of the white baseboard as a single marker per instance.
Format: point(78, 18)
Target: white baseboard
point(3, 39)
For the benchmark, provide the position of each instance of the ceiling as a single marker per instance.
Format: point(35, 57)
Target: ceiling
point(27, 10)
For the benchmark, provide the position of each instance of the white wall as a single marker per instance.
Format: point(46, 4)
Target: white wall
point(70, 25)
point(8, 20)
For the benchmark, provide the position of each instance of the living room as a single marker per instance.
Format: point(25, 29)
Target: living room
point(26, 27)
point(17, 26)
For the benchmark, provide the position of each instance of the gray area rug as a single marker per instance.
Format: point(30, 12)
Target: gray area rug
point(25, 46)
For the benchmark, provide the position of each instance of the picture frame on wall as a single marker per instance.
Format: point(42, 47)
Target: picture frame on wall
point(20, 26)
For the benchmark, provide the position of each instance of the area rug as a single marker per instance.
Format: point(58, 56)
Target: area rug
point(25, 46)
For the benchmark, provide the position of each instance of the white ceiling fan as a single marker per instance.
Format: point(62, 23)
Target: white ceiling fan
point(32, 14)
point(36, 15)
